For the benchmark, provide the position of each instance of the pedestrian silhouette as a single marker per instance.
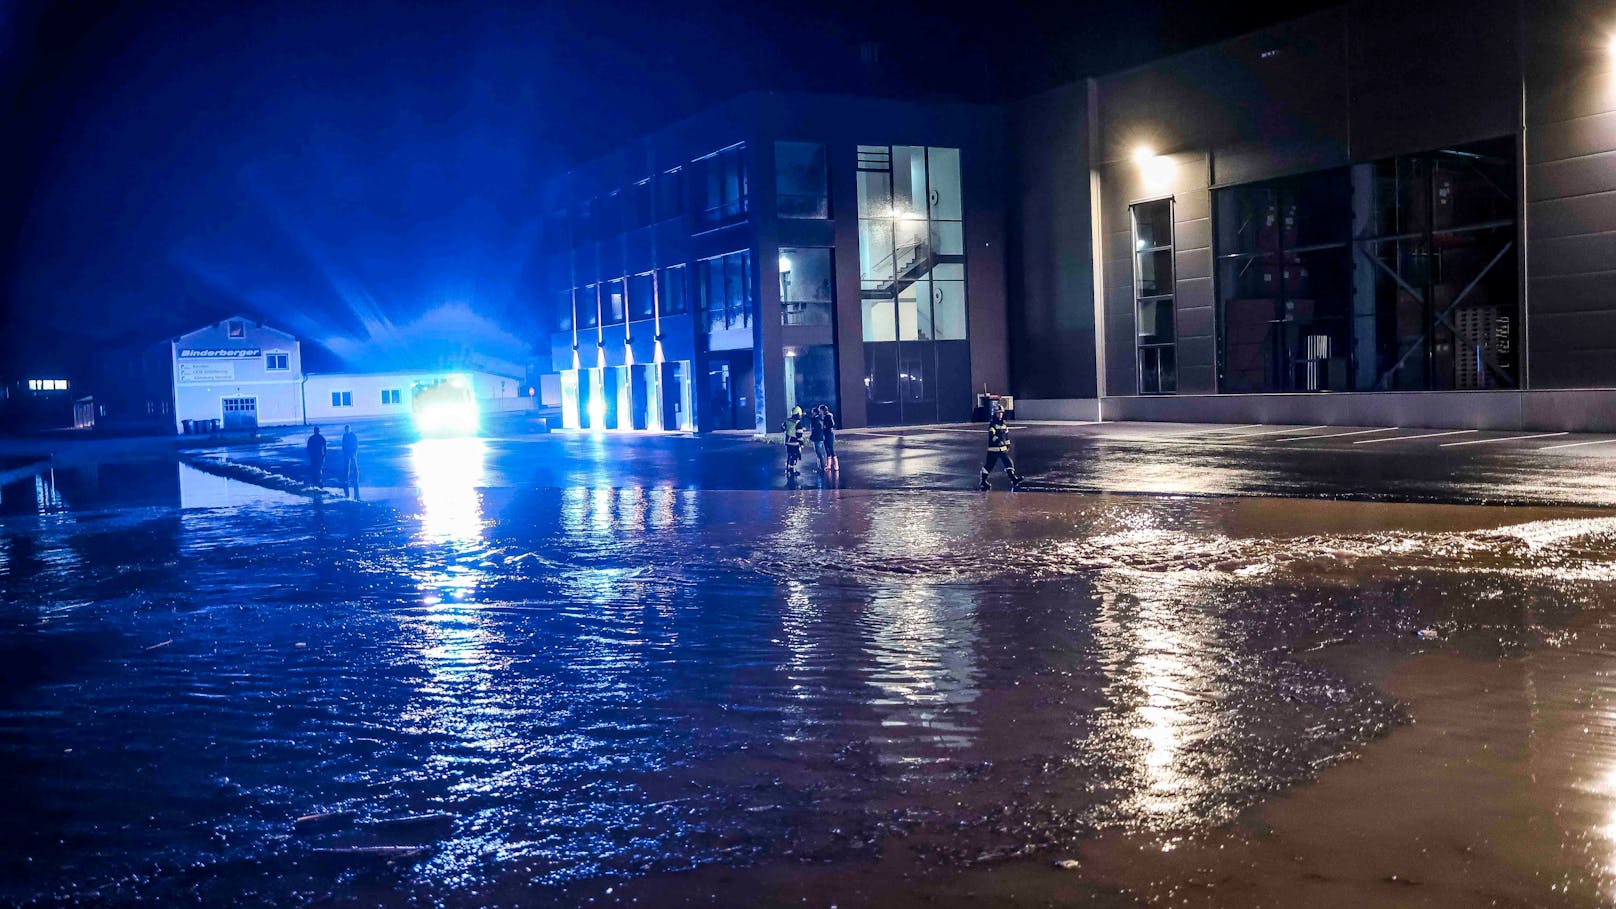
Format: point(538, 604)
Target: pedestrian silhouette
point(350, 462)
point(316, 459)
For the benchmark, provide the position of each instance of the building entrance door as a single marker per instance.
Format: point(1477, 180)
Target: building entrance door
point(675, 395)
point(240, 413)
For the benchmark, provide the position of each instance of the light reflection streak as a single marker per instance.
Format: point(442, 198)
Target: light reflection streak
point(448, 475)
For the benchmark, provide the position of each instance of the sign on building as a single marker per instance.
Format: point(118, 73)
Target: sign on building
point(206, 373)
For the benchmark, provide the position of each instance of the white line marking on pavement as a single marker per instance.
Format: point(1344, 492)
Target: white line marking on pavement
point(1280, 432)
point(1541, 435)
point(1223, 430)
point(1429, 435)
point(1577, 444)
point(1338, 435)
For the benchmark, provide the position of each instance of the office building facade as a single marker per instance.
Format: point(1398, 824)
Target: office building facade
point(781, 251)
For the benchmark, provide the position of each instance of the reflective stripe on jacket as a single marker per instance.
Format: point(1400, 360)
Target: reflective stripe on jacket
point(998, 437)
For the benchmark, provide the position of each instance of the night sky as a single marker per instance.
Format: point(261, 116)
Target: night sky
point(358, 172)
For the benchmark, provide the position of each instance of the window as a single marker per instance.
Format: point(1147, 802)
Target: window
point(563, 308)
point(726, 291)
point(641, 296)
point(607, 216)
point(1155, 324)
point(800, 180)
point(674, 298)
point(721, 188)
point(392, 396)
point(1284, 283)
point(807, 286)
point(670, 194)
point(277, 362)
point(235, 329)
point(1393, 275)
point(641, 209)
point(912, 284)
point(810, 376)
point(342, 399)
point(587, 300)
point(612, 302)
point(47, 385)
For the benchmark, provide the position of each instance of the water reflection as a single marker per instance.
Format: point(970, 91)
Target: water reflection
point(602, 682)
point(449, 474)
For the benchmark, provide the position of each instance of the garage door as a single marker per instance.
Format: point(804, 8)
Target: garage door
point(240, 413)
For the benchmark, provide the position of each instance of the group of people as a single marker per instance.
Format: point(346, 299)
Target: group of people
point(817, 427)
point(350, 460)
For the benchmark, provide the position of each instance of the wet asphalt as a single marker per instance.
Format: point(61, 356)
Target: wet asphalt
point(572, 669)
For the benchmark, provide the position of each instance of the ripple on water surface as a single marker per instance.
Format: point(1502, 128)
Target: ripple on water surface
point(564, 684)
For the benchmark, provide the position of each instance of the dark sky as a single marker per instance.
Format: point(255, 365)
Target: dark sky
point(357, 170)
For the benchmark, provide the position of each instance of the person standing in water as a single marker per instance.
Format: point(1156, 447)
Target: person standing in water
point(796, 428)
point(827, 424)
point(999, 450)
point(350, 462)
point(316, 447)
point(816, 435)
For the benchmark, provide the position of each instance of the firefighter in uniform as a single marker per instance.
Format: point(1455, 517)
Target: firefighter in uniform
point(796, 429)
point(999, 450)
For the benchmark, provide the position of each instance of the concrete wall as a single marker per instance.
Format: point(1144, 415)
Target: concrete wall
point(1582, 410)
point(1050, 292)
point(1570, 155)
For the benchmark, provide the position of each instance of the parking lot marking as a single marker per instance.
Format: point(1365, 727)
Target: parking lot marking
point(1280, 432)
point(1577, 444)
point(1429, 435)
point(1337, 435)
point(1541, 435)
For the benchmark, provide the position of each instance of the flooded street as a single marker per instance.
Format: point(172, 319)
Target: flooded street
point(651, 693)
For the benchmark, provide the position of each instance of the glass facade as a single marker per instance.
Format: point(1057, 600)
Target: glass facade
point(641, 296)
point(1155, 315)
point(912, 284)
point(726, 291)
point(721, 190)
point(1394, 275)
point(673, 296)
point(807, 286)
point(800, 185)
point(810, 378)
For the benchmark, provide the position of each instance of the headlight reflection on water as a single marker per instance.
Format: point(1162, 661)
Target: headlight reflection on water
point(449, 474)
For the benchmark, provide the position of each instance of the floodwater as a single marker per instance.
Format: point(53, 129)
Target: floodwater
point(651, 695)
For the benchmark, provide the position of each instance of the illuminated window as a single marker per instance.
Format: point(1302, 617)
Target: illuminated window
point(276, 362)
point(47, 385)
point(1153, 295)
point(342, 399)
point(392, 396)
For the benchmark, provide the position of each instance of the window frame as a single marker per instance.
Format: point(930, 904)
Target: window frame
point(341, 399)
point(271, 355)
point(1135, 254)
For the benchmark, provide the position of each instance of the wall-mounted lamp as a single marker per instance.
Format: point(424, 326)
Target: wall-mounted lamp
point(1155, 170)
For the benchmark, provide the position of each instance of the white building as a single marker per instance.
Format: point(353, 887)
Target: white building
point(245, 375)
point(240, 372)
point(342, 396)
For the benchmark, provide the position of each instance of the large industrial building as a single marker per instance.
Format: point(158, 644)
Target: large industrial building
point(1381, 214)
point(1384, 213)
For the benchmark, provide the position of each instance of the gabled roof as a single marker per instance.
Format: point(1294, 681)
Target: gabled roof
point(238, 318)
